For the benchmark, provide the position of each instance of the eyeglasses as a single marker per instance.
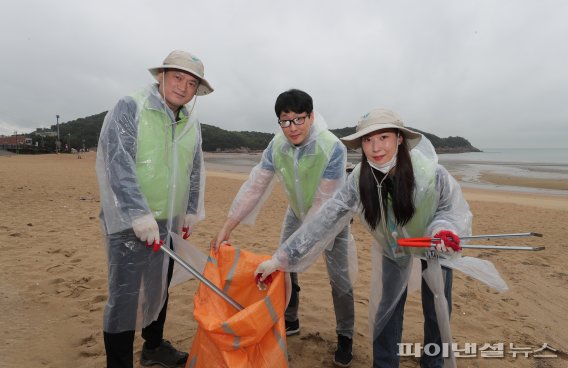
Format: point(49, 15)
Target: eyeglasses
point(300, 120)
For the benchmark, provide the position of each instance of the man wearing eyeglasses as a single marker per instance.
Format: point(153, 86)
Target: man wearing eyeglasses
point(310, 162)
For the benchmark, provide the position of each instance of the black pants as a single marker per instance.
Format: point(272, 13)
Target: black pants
point(119, 346)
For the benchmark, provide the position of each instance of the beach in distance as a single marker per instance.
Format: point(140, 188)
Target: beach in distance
point(531, 171)
point(53, 284)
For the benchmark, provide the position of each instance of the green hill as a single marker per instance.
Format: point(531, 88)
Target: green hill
point(84, 132)
point(217, 139)
point(442, 145)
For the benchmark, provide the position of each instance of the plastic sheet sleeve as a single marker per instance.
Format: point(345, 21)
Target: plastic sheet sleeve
point(196, 203)
point(453, 211)
point(479, 269)
point(324, 192)
point(302, 248)
point(121, 198)
point(252, 195)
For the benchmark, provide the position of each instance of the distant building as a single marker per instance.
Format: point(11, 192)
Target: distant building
point(47, 133)
point(14, 140)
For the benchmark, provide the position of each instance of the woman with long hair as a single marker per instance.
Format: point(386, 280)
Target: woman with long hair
point(399, 191)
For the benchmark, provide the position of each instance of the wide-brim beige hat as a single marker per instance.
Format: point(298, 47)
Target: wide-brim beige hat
point(187, 62)
point(378, 119)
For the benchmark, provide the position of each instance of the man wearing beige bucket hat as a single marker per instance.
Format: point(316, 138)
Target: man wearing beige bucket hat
point(151, 180)
point(399, 191)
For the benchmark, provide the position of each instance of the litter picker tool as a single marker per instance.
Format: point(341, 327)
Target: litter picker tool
point(431, 242)
point(200, 277)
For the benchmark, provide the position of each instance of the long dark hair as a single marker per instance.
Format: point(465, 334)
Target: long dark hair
point(400, 186)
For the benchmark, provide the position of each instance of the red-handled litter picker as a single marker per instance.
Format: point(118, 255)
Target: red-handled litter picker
point(200, 277)
point(431, 242)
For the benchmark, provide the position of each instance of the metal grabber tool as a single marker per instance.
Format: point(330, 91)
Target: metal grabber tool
point(200, 277)
point(431, 242)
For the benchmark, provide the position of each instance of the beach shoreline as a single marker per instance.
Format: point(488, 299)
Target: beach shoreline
point(53, 274)
point(545, 178)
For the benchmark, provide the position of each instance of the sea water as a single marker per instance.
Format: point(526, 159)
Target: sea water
point(543, 163)
point(539, 163)
point(538, 156)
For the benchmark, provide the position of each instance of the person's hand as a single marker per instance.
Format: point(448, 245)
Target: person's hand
point(187, 226)
point(266, 269)
point(146, 229)
point(449, 242)
point(156, 245)
point(222, 237)
point(217, 241)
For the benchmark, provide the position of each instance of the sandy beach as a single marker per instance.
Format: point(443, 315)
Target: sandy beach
point(53, 283)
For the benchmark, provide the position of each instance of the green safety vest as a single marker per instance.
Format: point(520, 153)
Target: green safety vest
point(426, 200)
point(302, 175)
point(155, 158)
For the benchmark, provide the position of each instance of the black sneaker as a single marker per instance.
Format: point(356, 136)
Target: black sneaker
point(344, 353)
point(292, 328)
point(165, 355)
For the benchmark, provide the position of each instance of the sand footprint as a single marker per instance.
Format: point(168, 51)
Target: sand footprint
point(77, 287)
point(89, 347)
point(97, 303)
point(65, 252)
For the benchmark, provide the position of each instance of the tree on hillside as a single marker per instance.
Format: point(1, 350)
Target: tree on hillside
point(86, 131)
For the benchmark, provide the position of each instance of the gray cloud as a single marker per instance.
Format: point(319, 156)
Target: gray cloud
point(491, 71)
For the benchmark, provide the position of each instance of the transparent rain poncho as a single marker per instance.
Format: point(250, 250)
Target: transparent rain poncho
point(439, 205)
point(310, 174)
point(147, 164)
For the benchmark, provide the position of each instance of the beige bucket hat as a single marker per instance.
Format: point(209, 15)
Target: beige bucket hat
point(187, 62)
point(377, 119)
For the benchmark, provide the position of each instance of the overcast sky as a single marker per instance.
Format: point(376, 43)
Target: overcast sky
point(492, 71)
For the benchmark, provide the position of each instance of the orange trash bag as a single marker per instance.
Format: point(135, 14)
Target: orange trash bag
point(254, 337)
